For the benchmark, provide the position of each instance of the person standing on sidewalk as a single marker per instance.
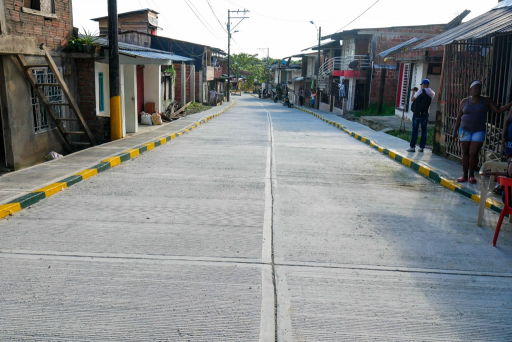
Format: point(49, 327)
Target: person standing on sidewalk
point(301, 97)
point(470, 128)
point(420, 107)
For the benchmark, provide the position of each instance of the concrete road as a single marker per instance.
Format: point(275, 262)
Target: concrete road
point(264, 224)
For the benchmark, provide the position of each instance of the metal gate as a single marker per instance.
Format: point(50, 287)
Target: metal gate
point(490, 61)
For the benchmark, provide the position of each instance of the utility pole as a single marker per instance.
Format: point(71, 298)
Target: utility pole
point(267, 73)
point(229, 41)
point(116, 126)
point(317, 103)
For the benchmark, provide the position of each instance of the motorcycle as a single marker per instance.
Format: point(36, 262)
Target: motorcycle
point(287, 101)
point(276, 97)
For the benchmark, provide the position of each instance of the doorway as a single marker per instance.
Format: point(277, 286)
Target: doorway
point(140, 90)
point(359, 95)
point(3, 167)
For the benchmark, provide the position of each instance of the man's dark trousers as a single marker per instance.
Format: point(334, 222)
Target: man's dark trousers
point(418, 121)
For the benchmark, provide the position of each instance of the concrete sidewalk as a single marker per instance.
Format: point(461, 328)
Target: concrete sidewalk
point(22, 182)
point(445, 168)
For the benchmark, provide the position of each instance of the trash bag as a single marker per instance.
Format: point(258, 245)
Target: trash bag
point(145, 119)
point(52, 156)
point(157, 119)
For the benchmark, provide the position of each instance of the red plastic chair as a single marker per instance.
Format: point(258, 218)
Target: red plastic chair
point(507, 209)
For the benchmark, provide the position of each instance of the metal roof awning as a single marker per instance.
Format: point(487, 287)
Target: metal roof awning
point(498, 20)
point(156, 55)
point(400, 46)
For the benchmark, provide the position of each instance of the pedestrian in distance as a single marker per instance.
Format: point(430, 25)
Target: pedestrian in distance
point(470, 128)
point(213, 97)
point(301, 96)
point(420, 107)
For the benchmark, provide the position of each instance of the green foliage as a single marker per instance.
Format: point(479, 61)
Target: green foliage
point(373, 109)
point(83, 43)
point(170, 71)
point(254, 68)
point(406, 135)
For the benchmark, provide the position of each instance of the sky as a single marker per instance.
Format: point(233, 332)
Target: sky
point(282, 27)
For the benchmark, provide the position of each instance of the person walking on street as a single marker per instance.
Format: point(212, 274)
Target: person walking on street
point(470, 128)
point(420, 108)
point(301, 97)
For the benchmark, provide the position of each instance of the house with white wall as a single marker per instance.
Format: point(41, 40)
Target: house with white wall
point(141, 82)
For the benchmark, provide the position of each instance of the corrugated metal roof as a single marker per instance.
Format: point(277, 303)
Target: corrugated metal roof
point(497, 20)
point(400, 46)
point(135, 50)
point(156, 55)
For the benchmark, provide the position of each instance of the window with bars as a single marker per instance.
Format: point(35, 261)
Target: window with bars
point(54, 94)
point(403, 90)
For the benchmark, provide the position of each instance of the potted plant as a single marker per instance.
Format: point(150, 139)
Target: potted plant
point(89, 41)
point(170, 72)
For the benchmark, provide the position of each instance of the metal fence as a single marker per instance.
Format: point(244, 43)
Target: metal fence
point(490, 61)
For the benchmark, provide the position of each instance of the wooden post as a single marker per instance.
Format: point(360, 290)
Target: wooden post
point(116, 125)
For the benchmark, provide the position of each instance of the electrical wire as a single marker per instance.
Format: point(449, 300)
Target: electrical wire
point(360, 15)
point(201, 15)
point(213, 34)
point(216, 16)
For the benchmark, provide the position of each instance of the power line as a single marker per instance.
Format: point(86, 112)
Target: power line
point(359, 15)
point(201, 15)
point(216, 16)
point(200, 19)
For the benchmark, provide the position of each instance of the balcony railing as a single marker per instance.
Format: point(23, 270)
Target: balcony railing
point(354, 62)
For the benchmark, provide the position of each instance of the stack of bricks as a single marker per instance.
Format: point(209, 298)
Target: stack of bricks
point(54, 33)
point(99, 126)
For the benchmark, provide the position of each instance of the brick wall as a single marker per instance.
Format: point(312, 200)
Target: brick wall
point(389, 38)
point(54, 33)
point(390, 87)
point(99, 126)
point(197, 87)
point(187, 78)
point(177, 88)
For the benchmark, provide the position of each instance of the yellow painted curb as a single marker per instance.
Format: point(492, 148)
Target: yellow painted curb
point(133, 153)
point(87, 173)
point(9, 209)
point(406, 161)
point(173, 136)
point(114, 161)
point(449, 184)
point(52, 189)
point(150, 146)
point(424, 171)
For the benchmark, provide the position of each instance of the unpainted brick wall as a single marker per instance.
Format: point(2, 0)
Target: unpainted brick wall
point(177, 87)
point(99, 126)
point(54, 33)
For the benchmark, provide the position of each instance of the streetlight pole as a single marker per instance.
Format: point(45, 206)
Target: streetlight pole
point(317, 103)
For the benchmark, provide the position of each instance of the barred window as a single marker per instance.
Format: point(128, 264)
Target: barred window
point(54, 94)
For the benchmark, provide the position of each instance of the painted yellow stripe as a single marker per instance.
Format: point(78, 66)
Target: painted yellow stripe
point(490, 202)
point(173, 136)
point(163, 141)
point(381, 149)
point(133, 153)
point(425, 171)
point(449, 184)
point(192, 127)
point(150, 146)
point(52, 189)
point(186, 130)
point(356, 136)
point(392, 154)
point(114, 161)
point(476, 198)
point(9, 209)
point(88, 173)
point(406, 161)
point(372, 143)
point(364, 140)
